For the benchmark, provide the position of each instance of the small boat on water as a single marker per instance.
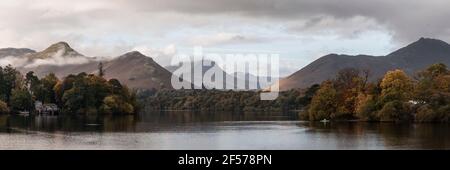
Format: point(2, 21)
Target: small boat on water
point(93, 124)
point(24, 113)
point(325, 121)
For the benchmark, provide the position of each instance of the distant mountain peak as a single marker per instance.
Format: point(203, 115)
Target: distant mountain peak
point(62, 43)
point(429, 42)
point(60, 48)
point(137, 57)
point(423, 46)
point(134, 53)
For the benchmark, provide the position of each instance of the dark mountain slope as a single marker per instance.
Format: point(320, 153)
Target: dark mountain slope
point(411, 58)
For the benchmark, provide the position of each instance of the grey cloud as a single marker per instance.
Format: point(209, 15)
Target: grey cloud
point(26, 23)
point(407, 19)
point(225, 38)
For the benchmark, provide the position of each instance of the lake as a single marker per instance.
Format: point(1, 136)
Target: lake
point(187, 130)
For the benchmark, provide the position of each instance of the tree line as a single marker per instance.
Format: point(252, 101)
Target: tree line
point(396, 97)
point(75, 94)
point(424, 97)
point(221, 100)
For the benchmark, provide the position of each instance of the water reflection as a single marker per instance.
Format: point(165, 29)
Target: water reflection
point(143, 122)
point(187, 130)
point(386, 135)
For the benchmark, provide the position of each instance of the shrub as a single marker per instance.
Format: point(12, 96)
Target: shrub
point(366, 107)
point(425, 114)
point(324, 103)
point(114, 104)
point(21, 100)
point(395, 111)
point(3, 107)
point(303, 115)
point(444, 113)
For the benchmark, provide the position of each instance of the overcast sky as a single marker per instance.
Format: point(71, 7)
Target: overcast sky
point(299, 30)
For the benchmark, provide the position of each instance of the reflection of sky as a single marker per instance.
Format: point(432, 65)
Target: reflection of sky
point(266, 135)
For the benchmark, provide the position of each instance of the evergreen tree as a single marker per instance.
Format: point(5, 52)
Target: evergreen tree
point(101, 71)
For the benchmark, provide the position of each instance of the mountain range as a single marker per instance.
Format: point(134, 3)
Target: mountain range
point(133, 69)
point(412, 58)
point(249, 79)
point(142, 72)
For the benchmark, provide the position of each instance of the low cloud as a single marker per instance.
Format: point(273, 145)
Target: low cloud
point(58, 59)
point(224, 39)
point(14, 61)
point(162, 56)
point(338, 27)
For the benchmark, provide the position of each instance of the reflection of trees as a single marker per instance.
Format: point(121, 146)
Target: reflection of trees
point(119, 123)
point(43, 123)
point(342, 134)
point(71, 123)
point(355, 128)
point(389, 135)
point(3, 122)
point(19, 122)
point(150, 120)
point(206, 116)
point(421, 136)
point(395, 135)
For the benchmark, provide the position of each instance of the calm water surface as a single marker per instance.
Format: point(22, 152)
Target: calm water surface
point(184, 130)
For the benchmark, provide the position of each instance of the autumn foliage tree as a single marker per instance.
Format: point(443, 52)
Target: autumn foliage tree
point(367, 105)
point(396, 92)
point(76, 94)
point(338, 98)
point(4, 107)
point(324, 104)
point(432, 93)
point(92, 94)
point(396, 97)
